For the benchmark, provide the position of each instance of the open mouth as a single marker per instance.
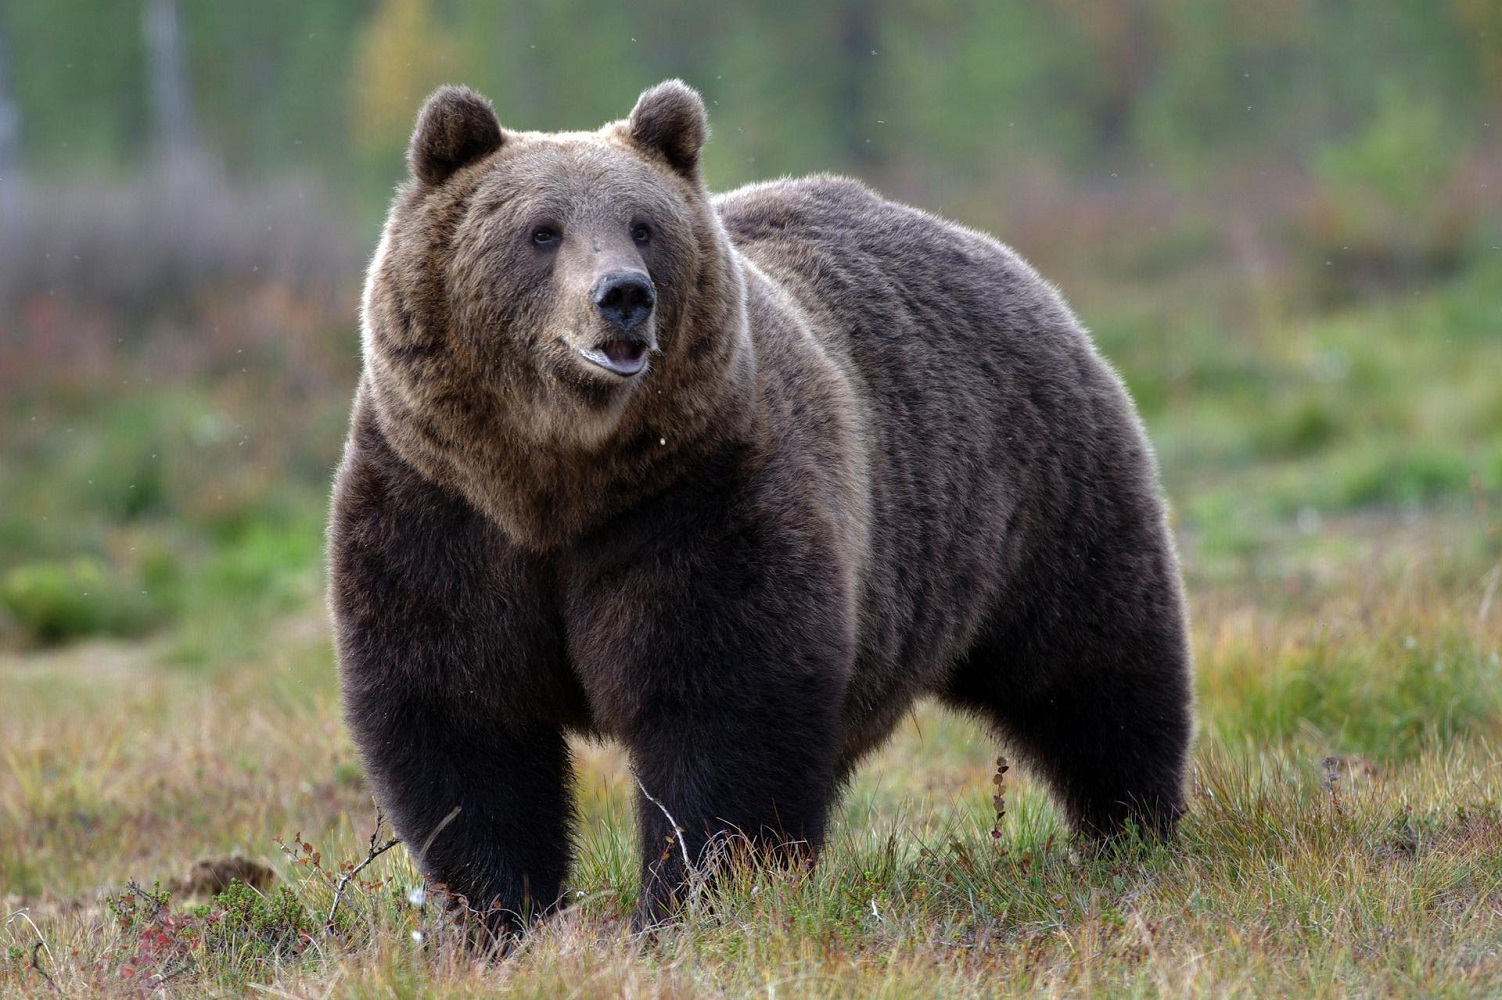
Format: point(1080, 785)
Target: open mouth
point(624, 356)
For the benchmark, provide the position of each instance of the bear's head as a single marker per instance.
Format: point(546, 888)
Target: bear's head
point(551, 307)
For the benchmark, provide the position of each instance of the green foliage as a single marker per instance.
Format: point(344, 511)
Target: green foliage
point(1406, 476)
point(1364, 411)
point(137, 908)
point(1304, 427)
point(261, 558)
point(254, 926)
point(1398, 161)
point(239, 935)
point(78, 76)
point(1386, 215)
point(146, 509)
point(56, 601)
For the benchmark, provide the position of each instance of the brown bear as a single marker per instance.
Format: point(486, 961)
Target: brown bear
point(733, 481)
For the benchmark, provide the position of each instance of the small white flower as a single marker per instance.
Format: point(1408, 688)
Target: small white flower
point(417, 896)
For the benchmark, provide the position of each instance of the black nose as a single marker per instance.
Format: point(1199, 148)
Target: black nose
point(625, 299)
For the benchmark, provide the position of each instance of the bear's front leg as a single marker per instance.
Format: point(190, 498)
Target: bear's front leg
point(745, 775)
point(717, 647)
point(454, 687)
point(482, 804)
point(479, 795)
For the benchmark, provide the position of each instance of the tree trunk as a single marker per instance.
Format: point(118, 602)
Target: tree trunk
point(10, 120)
point(855, 55)
point(171, 108)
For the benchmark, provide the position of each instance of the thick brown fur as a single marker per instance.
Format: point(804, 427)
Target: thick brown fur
point(869, 456)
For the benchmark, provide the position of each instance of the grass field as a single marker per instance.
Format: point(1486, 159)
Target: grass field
point(167, 696)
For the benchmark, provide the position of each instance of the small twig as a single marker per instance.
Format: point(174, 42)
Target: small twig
point(156, 907)
point(183, 967)
point(40, 946)
point(999, 800)
point(373, 853)
point(677, 830)
point(1331, 783)
point(36, 950)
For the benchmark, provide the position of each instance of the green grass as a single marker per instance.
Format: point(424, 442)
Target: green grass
point(1291, 873)
point(1270, 428)
point(1337, 481)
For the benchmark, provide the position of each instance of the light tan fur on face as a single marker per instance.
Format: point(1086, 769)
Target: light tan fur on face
point(472, 340)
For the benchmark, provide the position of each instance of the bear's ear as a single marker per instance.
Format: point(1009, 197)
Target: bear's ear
point(455, 126)
point(670, 119)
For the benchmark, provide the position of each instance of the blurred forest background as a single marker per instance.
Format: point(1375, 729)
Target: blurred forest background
point(1281, 220)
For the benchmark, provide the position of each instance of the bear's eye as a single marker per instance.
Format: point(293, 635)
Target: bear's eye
point(545, 236)
point(641, 232)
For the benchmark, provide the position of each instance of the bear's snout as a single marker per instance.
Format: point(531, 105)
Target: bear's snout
point(625, 299)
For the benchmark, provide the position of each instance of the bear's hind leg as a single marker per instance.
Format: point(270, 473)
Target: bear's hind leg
point(1099, 705)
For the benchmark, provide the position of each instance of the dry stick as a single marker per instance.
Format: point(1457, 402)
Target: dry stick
point(688, 868)
point(1331, 783)
point(36, 950)
point(375, 852)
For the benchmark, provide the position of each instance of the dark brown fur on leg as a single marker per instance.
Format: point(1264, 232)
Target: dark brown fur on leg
point(1100, 708)
point(472, 770)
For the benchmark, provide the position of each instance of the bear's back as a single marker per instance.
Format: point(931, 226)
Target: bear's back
point(944, 328)
point(880, 266)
